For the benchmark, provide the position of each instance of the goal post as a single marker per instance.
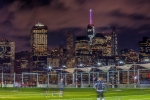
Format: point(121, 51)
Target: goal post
point(31, 77)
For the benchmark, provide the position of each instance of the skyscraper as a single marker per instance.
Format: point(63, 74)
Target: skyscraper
point(7, 57)
point(82, 50)
point(114, 42)
point(38, 43)
point(98, 45)
point(69, 44)
point(90, 29)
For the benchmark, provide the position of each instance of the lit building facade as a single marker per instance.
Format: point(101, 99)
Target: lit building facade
point(69, 44)
point(39, 49)
point(7, 57)
point(99, 45)
point(82, 50)
point(54, 58)
point(114, 42)
point(70, 50)
point(129, 56)
point(108, 45)
point(22, 65)
point(22, 62)
point(144, 50)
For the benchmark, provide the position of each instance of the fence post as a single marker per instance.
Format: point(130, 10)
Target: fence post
point(65, 79)
point(128, 78)
point(48, 80)
point(118, 78)
point(14, 78)
point(2, 78)
point(37, 79)
point(58, 78)
point(108, 77)
point(138, 75)
point(89, 79)
point(73, 79)
point(22, 78)
point(81, 81)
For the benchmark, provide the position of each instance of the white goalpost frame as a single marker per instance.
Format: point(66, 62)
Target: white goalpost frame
point(31, 74)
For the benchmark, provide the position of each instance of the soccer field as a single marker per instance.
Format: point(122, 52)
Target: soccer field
point(73, 94)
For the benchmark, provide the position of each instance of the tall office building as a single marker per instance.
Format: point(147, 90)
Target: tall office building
point(69, 43)
point(82, 50)
point(39, 49)
point(108, 45)
point(7, 57)
point(114, 42)
point(90, 29)
point(98, 45)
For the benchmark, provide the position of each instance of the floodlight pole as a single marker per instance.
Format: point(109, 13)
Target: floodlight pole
point(2, 77)
point(76, 78)
point(93, 76)
point(22, 78)
point(134, 77)
point(81, 81)
point(138, 77)
point(48, 80)
point(61, 73)
point(14, 78)
point(113, 78)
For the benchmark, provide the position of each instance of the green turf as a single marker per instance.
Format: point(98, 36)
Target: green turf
point(72, 94)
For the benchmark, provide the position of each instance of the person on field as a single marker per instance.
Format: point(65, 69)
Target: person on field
point(100, 86)
point(5, 84)
point(16, 85)
point(61, 87)
point(46, 88)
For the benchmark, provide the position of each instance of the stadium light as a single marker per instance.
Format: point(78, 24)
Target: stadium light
point(81, 65)
point(99, 63)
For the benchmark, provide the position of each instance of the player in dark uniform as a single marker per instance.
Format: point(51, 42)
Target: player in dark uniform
point(100, 87)
point(61, 87)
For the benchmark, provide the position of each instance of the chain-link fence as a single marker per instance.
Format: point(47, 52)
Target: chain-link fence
point(120, 78)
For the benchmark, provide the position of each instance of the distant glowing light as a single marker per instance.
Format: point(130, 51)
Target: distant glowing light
point(135, 77)
point(63, 66)
point(99, 63)
point(39, 24)
point(81, 64)
point(50, 67)
point(121, 62)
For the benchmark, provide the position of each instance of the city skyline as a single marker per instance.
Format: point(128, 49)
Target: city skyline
point(131, 19)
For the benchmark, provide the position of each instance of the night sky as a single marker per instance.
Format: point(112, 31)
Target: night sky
point(130, 17)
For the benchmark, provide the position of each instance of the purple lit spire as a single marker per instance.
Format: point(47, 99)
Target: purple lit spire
point(90, 16)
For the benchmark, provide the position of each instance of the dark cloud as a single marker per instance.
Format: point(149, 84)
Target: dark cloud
point(4, 3)
point(30, 4)
point(7, 23)
point(138, 17)
point(138, 2)
point(134, 16)
point(131, 19)
point(80, 2)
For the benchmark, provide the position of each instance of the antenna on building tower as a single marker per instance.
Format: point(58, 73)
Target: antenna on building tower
point(90, 16)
